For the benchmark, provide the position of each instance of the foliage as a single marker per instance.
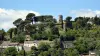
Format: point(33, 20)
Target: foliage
point(71, 52)
point(17, 22)
point(11, 51)
point(83, 45)
point(83, 31)
point(33, 48)
point(18, 38)
point(43, 46)
point(22, 53)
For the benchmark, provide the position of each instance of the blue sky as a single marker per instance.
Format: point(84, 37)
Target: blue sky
point(10, 10)
point(53, 7)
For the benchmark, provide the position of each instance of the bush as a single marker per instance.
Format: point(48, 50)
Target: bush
point(18, 38)
point(10, 51)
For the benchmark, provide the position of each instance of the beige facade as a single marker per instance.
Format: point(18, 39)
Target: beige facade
point(30, 43)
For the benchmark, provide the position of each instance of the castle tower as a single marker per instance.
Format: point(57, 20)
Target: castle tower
point(61, 20)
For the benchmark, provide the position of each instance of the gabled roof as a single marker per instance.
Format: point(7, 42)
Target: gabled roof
point(5, 43)
point(8, 43)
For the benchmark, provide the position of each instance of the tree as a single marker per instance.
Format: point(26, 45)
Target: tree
point(31, 17)
point(53, 51)
point(60, 52)
point(36, 36)
point(45, 53)
point(33, 48)
point(19, 38)
point(10, 51)
point(15, 31)
point(10, 32)
point(69, 35)
point(22, 53)
point(68, 18)
point(79, 22)
point(82, 21)
point(83, 45)
point(33, 53)
point(17, 22)
point(57, 43)
point(55, 31)
point(30, 29)
point(96, 20)
point(43, 46)
point(68, 22)
point(50, 24)
point(2, 34)
point(71, 52)
point(40, 27)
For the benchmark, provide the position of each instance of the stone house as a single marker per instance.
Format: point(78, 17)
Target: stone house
point(28, 44)
point(31, 43)
point(7, 44)
point(68, 44)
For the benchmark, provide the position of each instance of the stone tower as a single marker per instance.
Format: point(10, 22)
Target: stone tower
point(61, 20)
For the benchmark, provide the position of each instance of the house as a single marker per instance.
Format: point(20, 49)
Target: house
point(92, 53)
point(31, 43)
point(28, 44)
point(6, 44)
point(68, 44)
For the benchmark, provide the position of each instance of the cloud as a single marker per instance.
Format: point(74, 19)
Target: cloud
point(7, 16)
point(85, 12)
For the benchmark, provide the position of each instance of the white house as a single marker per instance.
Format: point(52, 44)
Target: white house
point(28, 44)
point(31, 43)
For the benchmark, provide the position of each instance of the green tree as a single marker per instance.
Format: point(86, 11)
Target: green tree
point(17, 22)
point(2, 34)
point(60, 52)
point(68, 22)
point(56, 43)
point(83, 45)
point(33, 48)
point(31, 17)
point(55, 31)
point(30, 28)
point(43, 46)
point(45, 53)
point(71, 52)
point(22, 53)
point(53, 51)
point(19, 38)
point(10, 32)
point(10, 51)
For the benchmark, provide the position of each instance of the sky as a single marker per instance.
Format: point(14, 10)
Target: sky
point(11, 10)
